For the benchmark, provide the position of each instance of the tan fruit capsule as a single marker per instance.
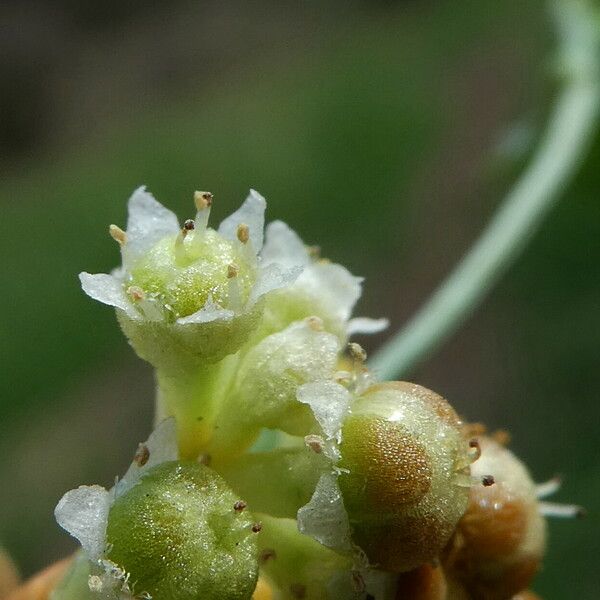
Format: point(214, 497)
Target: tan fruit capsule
point(501, 539)
point(404, 474)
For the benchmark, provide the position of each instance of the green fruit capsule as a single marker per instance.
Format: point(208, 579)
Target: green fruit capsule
point(404, 474)
point(181, 534)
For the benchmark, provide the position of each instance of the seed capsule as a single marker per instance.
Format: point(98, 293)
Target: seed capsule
point(405, 459)
point(177, 536)
point(501, 539)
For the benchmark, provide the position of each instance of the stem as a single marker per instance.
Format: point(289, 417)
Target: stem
point(560, 153)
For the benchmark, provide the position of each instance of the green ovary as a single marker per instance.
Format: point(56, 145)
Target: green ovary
point(179, 536)
point(182, 274)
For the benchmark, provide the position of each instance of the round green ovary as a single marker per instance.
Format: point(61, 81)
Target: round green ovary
point(183, 276)
point(178, 535)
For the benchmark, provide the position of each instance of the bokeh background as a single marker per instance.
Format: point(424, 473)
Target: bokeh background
point(386, 132)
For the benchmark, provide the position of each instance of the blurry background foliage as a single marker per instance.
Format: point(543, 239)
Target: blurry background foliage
point(386, 132)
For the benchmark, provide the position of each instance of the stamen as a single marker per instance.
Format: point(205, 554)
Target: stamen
point(239, 506)
point(203, 202)
point(142, 455)
point(474, 449)
point(117, 234)
point(488, 480)
point(189, 225)
point(315, 443)
point(243, 233)
point(136, 293)
point(543, 490)
point(232, 270)
point(357, 352)
point(564, 511)
point(256, 527)
point(315, 323)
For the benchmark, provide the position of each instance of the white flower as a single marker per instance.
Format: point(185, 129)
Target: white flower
point(194, 275)
point(239, 284)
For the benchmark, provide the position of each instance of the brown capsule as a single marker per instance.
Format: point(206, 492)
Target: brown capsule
point(500, 541)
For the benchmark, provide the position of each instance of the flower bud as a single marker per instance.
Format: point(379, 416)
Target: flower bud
point(404, 466)
point(501, 539)
point(180, 533)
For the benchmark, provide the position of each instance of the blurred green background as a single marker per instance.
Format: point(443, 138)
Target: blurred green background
point(386, 132)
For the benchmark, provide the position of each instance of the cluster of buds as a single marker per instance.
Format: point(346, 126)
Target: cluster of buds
point(279, 466)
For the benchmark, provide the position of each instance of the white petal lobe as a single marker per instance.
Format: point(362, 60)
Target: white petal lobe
point(330, 403)
point(252, 214)
point(84, 514)
point(107, 289)
point(284, 246)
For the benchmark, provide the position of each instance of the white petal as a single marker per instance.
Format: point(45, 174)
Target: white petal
point(324, 518)
point(329, 402)
point(211, 311)
point(366, 325)
point(284, 246)
point(107, 289)
point(84, 514)
point(272, 277)
point(333, 285)
point(148, 222)
point(162, 447)
point(251, 213)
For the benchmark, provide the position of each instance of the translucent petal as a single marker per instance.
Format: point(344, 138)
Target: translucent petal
point(148, 222)
point(84, 513)
point(334, 285)
point(161, 447)
point(107, 289)
point(366, 325)
point(329, 402)
point(251, 213)
point(284, 246)
point(324, 518)
point(210, 312)
point(272, 277)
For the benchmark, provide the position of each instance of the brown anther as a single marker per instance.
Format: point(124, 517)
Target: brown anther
point(136, 293)
point(266, 555)
point(142, 454)
point(474, 444)
point(256, 527)
point(239, 506)
point(243, 233)
point(232, 271)
point(117, 234)
point(357, 352)
point(502, 437)
point(314, 442)
point(315, 323)
point(298, 590)
point(203, 200)
point(189, 225)
point(204, 459)
point(488, 480)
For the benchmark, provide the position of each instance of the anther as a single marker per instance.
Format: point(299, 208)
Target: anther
point(117, 234)
point(243, 233)
point(314, 442)
point(189, 225)
point(136, 293)
point(256, 527)
point(357, 352)
point(315, 323)
point(203, 200)
point(239, 506)
point(502, 437)
point(232, 271)
point(142, 454)
point(488, 480)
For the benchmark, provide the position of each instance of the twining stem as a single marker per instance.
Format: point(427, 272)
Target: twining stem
point(560, 153)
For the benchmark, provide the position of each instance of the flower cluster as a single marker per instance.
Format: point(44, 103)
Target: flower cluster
point(280, 467)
